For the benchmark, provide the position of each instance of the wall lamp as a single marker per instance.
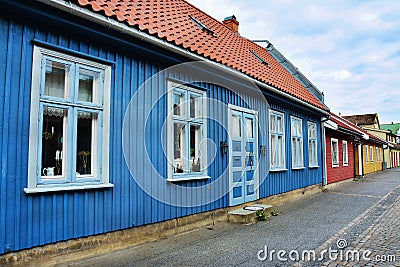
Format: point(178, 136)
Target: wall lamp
point(224, 147)
point(263, 150)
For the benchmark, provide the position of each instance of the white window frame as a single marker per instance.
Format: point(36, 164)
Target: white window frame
point(345, 153)
point(366, 153)
point(313, 141)
point(71, 180)
point(279, 157)
point(202, 122)
point(298, 159)
point(377, 154)
point(334, 140)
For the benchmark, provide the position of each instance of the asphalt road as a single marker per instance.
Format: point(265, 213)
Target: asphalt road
point(303, 224)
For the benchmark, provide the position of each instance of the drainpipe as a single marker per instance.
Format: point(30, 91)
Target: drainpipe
point(354, 157)
point(360, 160)
point(323, 151)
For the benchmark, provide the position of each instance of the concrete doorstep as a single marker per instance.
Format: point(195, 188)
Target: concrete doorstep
point(248, 214)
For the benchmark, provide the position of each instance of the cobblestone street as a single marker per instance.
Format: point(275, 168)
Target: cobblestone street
point(358, 216)
point(372, 239)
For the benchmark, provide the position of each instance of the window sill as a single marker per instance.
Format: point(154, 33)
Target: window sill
point(345, 165)
point(335, 166)
point(298, 168)
point(278, 170)
point(36, 190)
point(313, 167)
point(187, 178)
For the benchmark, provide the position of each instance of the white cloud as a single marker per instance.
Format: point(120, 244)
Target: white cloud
point(348, 49)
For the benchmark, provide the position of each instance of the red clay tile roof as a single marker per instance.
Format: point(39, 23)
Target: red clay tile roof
point(169, 20)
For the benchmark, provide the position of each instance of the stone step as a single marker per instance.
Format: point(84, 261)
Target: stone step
point(247, 214)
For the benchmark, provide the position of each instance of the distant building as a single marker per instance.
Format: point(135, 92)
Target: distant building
point(370, 123)
point(364, 120)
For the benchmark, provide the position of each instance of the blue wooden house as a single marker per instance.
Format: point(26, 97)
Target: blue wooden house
point(118, 114)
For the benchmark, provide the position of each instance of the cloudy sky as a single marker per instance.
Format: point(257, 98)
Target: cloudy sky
point(350, 50)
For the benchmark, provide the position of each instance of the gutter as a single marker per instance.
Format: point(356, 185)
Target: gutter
point(118, 26)
point(324, 120)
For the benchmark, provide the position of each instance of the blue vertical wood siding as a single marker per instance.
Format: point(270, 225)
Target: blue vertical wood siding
point(37, 219)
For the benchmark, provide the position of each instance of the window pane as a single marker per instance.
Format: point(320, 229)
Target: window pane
point(54, 128)
point(272, 123)
point(88, 85)
point(179, 148)
point(195, 152)
point(56, 79)
point(298, 128)
point(300, 153)
point(334, 152)
point(281, 152)
point(179, 104)
point(280, 124)
point(294, 151)
point(86, 142)
point(273, 151)
point(195, 106)
point(236, 126)
point(249, 128)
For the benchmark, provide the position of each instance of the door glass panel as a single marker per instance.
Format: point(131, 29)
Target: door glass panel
point(236, 126)
point(249, 128)
point(179, 148)
point(86, 142)
point(54, 126)
point(88, 85)
point(195, 152)
point(56, 79)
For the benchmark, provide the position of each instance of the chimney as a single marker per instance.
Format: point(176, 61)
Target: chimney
point(231, 23)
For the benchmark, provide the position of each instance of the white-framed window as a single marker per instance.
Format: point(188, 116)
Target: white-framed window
point(366, 154)
point(312, 144)
point(69, 123)
point(187, 129)
point(296, 131)
point(345, 153)
point(335, 152)
point(277, 140)
point(371, 154)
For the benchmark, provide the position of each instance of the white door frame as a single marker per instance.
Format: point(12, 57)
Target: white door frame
point(231, 110)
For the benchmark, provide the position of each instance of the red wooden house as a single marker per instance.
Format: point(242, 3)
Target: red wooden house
point(340, 138)
point(350, 150)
